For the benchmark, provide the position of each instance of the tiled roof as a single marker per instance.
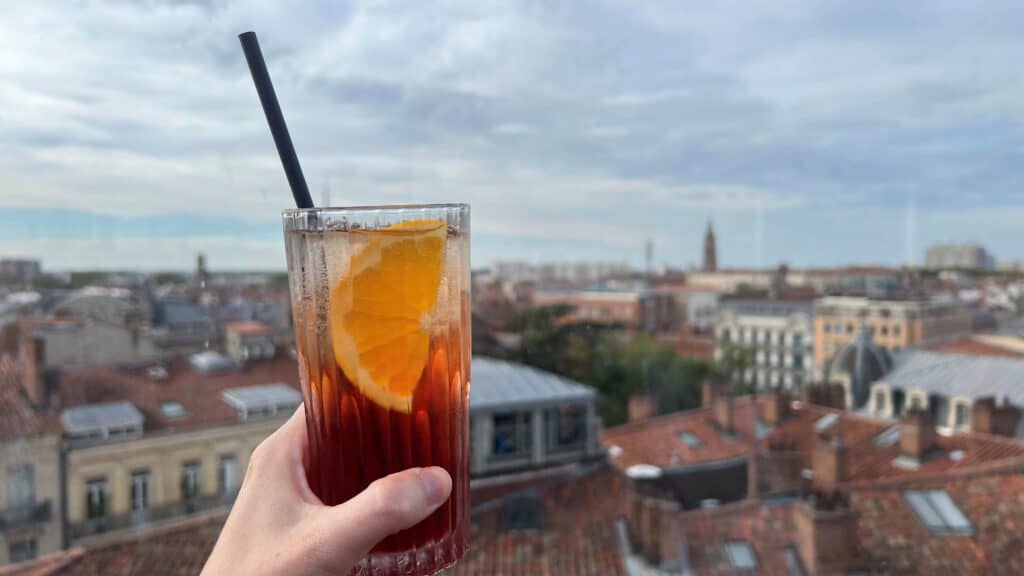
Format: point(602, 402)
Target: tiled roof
point(178, 549)
point(974, 347)
point(247, 327)
point(891, 537)
point(197, 392)
point(18, 418)
point(868, 461)
point(577, 536)
point(657, 441)
point(766, 526)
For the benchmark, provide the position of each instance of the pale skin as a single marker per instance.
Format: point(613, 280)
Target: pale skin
point(278, 526)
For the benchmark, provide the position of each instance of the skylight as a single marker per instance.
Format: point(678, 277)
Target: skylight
point(826, 422)
point(102, 420)
point(262, 400)
point(937, 512)
point(172, 410)
point(741, 556)
point(888, 437)
point(690, 439)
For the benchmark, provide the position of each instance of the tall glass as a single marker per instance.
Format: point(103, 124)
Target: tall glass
point(380, 299)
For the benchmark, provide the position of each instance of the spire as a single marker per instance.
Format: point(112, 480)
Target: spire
point(710, 251)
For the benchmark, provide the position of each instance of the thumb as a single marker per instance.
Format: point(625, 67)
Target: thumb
point(390, 504)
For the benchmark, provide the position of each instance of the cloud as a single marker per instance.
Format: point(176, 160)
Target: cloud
point(592, 128)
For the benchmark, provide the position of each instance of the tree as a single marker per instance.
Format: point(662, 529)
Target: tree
point(733, 365)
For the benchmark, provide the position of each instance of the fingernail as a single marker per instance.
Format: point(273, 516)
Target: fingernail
point(436, 483)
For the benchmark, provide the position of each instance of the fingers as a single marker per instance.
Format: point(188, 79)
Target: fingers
point(281, 455)
point(387, 505)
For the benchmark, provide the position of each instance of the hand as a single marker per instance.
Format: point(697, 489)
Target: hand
point(278, 526)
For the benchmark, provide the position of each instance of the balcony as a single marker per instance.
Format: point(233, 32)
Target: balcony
point(153, 514)
point(26, 515)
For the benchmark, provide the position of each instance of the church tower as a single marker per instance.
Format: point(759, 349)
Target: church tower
point(710, 252)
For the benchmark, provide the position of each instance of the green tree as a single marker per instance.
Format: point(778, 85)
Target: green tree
point(733, 365)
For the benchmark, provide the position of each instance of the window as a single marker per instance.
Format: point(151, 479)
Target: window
point(172, 410)
point(895, 330)
point(880, 404)
point(22, 550)
point(227, 474)
point(798, 340)
point(960, 415)
point(916, 403)
point(937, 512)
point(566, 427)
point(828, 328)
point(798, 360)
point(521, 512)
point(140, 490)
point(826, 422)
point(513, 435)
point(95, 498)
point(190, 480)
point(849, 328)
point(793, 562)
point(690, 439)
point(21, 494)
point(741, 556)
point(885, 331)
point(889, 436)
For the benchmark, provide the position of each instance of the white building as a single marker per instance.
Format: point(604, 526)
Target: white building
point(963, 256)
point(779, 330)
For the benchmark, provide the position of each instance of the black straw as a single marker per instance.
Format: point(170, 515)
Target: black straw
point(272, 110)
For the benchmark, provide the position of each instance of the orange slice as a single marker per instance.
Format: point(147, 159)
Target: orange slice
point(380, 310)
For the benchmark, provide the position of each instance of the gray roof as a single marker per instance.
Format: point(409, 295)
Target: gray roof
point(262, 398)
point(864, 362)
point(958, 375)
point(102, 419)
point(498, 384)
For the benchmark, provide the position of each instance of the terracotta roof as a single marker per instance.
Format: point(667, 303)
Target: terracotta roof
point(974, 347)
point(577, 535)
point(657, 441)
point(19, 419)
point(197, 392)
point(247, 327)
point(180, 548)
point(891, 537)
point(868, 461)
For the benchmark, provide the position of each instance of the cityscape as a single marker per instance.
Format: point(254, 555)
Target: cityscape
point(745, 293)
point(710, 420)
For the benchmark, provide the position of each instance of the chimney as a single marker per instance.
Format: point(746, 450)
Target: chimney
point(723, 412)
point(32, 351)
point(655, 529)
point(708, 392)
point(829, 463)
point(776, 470)
point(642, 406)
point(988, 418)
point(826, 535)
point(917, 434)
point(773, 407)
point(829, 394)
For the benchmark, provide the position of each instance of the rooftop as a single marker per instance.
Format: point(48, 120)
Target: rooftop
point(668, 441)
point(949, 374)
point(247, 328)
point(19, 419)
point(892, 537)
point(498, 384)
point(975, 346)
point(870, 459)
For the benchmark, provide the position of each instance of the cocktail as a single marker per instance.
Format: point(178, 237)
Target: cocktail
point(380, 298)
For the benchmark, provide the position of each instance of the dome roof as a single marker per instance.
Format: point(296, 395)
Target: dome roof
point(864, 362)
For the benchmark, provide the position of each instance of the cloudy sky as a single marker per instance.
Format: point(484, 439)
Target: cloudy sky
point(815, 134)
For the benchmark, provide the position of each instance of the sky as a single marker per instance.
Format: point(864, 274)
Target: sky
point(815, 133)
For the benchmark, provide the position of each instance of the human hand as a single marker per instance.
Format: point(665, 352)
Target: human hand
point(278, 526)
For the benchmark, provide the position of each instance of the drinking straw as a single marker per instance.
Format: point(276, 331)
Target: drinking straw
point(272, 110)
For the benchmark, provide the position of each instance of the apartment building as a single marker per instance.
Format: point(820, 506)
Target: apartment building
point(635, 309)
point(779, 329)
point(895, 324)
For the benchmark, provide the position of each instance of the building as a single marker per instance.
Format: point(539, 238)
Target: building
point(21, 271)
point(710, 263)
point(245, 341)
point(895, 324)
point(857, 366)
point(55, 342)
point(30, 497)
point(958, 256)
point(952, 387)
point(643, 309)
point(181, 327)
point(779, 328)
point(522, 418)
point(563, 274)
